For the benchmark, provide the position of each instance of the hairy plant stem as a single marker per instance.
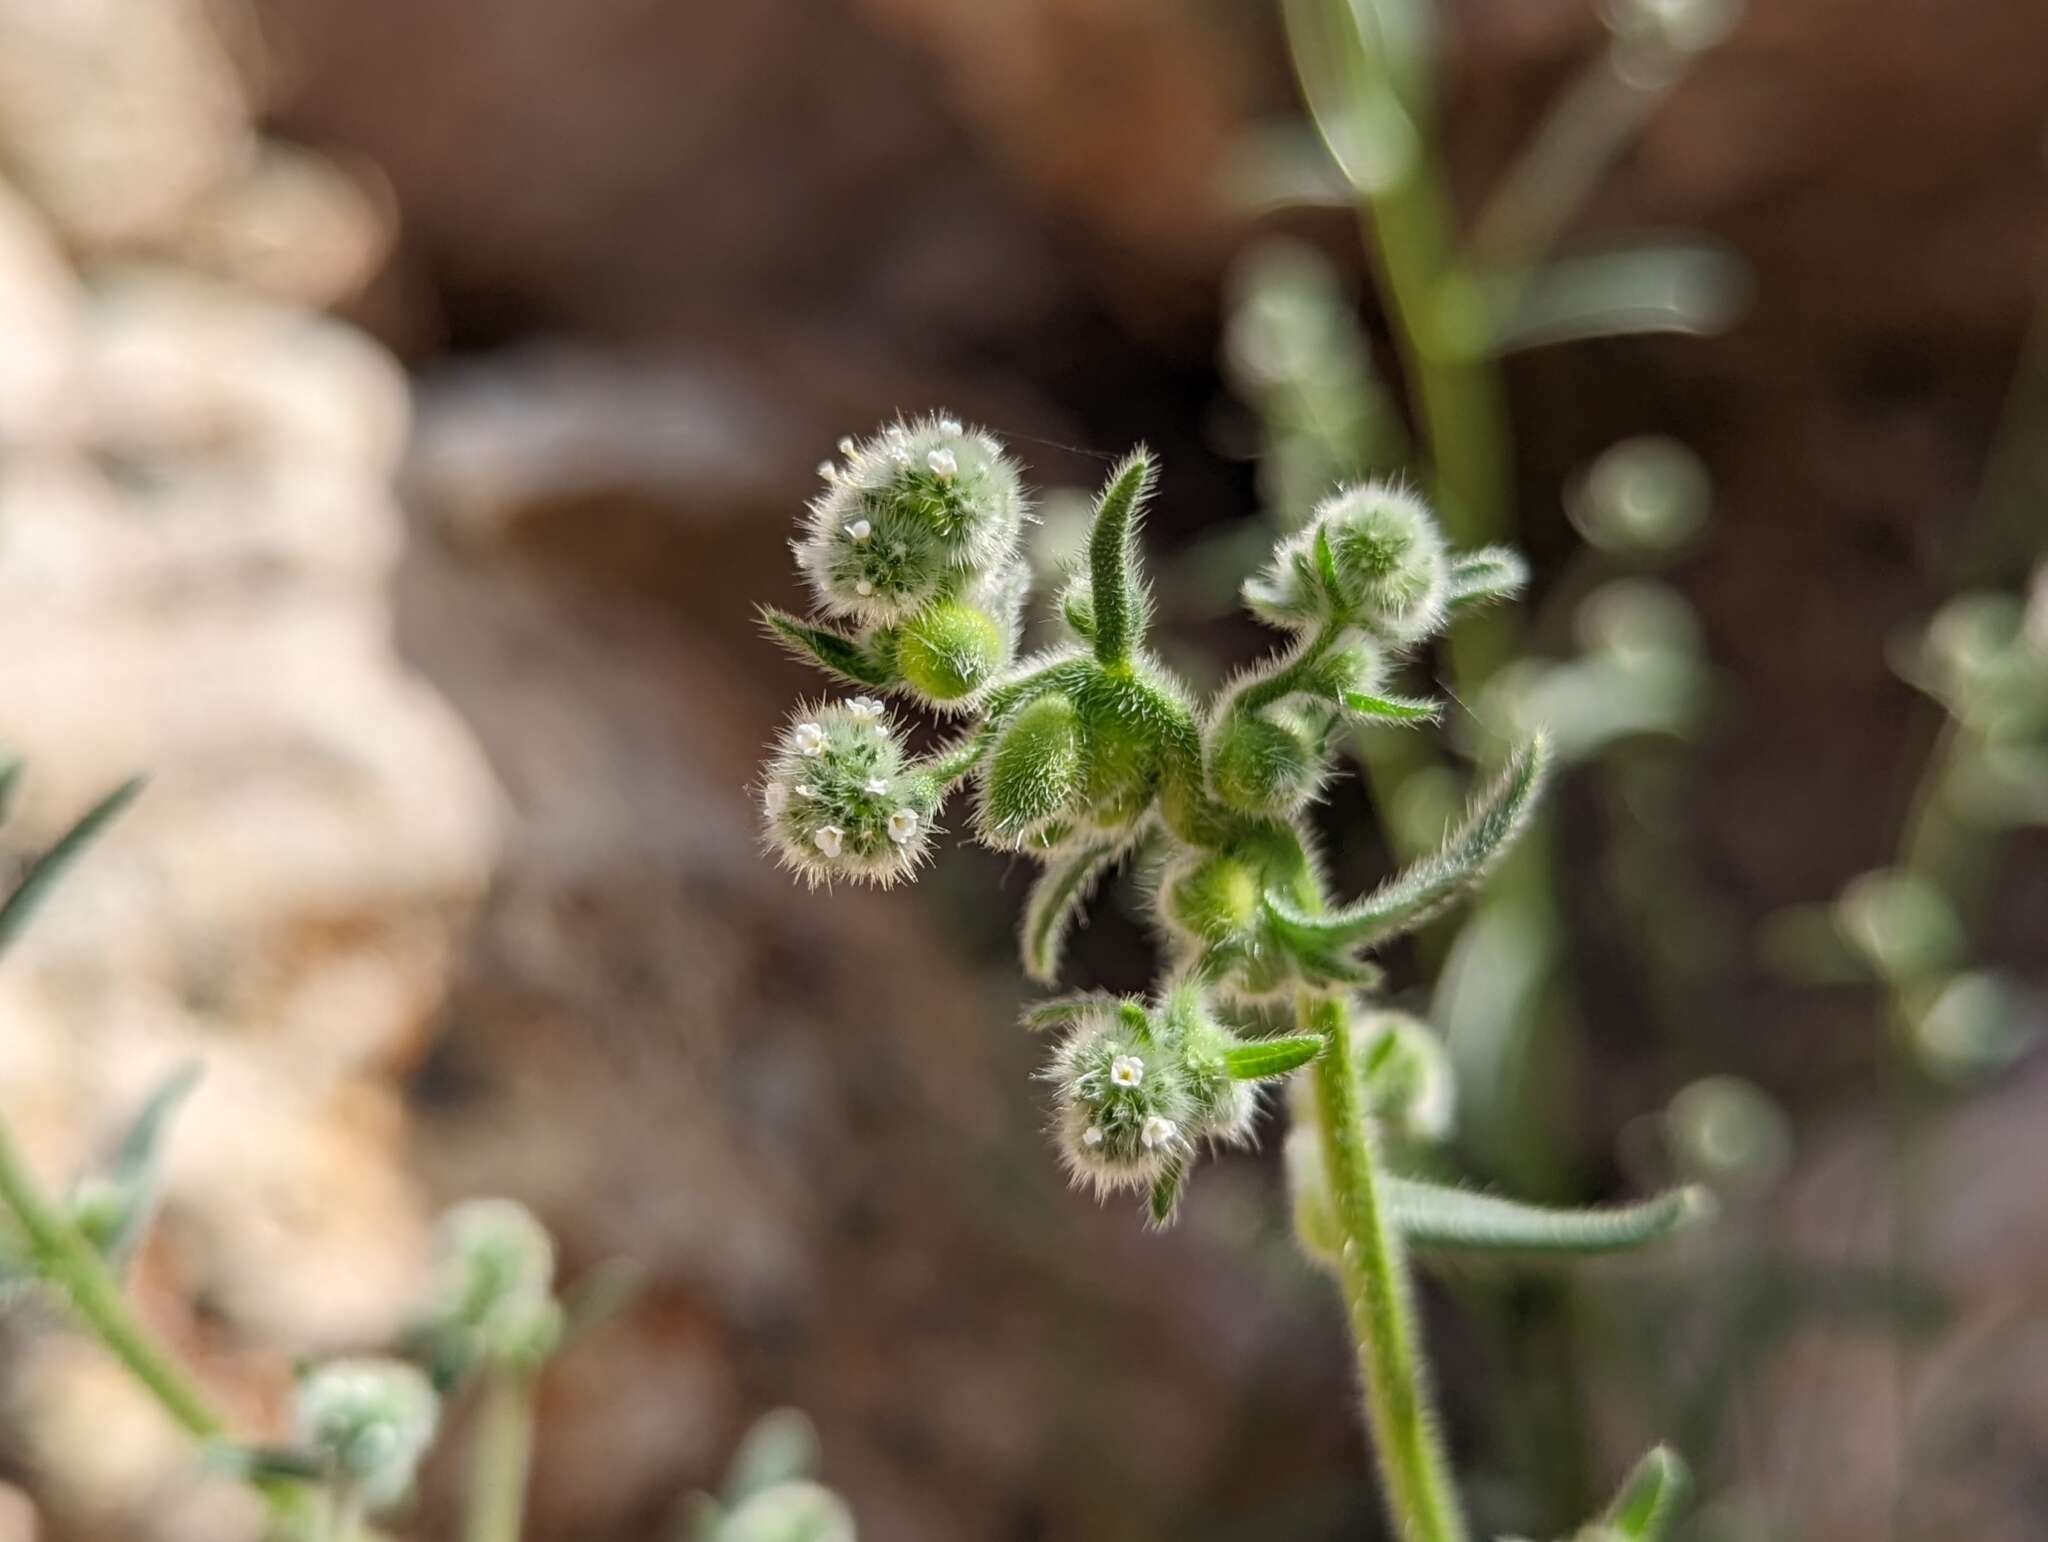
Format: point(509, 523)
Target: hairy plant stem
point(343, 1518)
point(1377, 1294)
point(68, 1261)
point(500, 1459)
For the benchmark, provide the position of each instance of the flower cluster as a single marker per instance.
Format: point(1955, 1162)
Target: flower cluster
point(491, 1298)
point(1093, 749)
point(368, 1422)
point(840, 800)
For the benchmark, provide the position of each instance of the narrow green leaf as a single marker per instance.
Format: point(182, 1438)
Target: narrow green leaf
point(1438, 1217)
point(838, 655)
point(1062, 889)
point(1492, 822)
point(782, 1447)
point(1061, 1010)
point(136, 1160)
point(1390, 709)
point(1649, 1497)
point(1488, 574)
point(258, 1464)
point(1113, 576)
point(1265, 1058)
point(599, 1296)
point(1690, 289)
point(42, 877)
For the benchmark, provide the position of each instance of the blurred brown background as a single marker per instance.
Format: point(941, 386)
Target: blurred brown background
point(448, 869)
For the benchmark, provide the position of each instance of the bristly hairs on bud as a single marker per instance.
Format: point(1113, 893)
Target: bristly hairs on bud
point(840, 799)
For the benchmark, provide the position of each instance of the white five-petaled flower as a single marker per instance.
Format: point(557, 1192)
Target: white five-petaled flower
point(1158, 1132)
point(809, 739)
point(860, 530)
point(1127, 1070)
point(1092, 1136)
point(806, 790)
point(875, 787)
point(863, 588)
point(775, 797)
point(942, 463)
point(828, 839)
point(847, 447)
point(903, 825)
point(866, 708)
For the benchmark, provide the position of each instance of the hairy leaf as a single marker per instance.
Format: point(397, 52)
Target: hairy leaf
point(1485, 575)
point(136, 1161)
point(837, 654)
point(1265, 1058)
point(1492, 822)
point(21, 906)
point(1060, 1010)
point(1113, 579)
point(1164, 1201)
point(1649, 1497)
point(1389, 709)
point(1069, 878)
point(1438, 1217)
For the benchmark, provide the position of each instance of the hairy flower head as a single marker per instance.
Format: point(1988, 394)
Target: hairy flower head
point(839, 800)
point(1370, 555)
point(370, 1420)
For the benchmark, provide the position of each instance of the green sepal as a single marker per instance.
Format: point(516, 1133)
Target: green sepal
point(1265, 1058)
point(1113, 579)
point(1485, 575)
point(1439, 1218)
point(1056, 898)
point(844, 658)
point(1492, 822)
point(136, 1161)
point(1389, 709)
point(1649, 1498)
point(1163, 1202)
point(35, 886)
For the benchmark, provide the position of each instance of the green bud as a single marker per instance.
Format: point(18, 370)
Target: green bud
point(950, 650)
point(1034, 772)
point(1260, 764)
point(1077, 606)
point(369, 1422)
point(839, 799)
point(1372, 555)
point(1405, 1076)
point(101, 1208)
point(789, 1512)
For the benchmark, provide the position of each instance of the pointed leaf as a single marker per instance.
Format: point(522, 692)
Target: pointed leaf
point(1390, 709)
point(1490, 573)
point(599, 1296)
point(10, 778)
point(1492, 822)
point(1112, 557)
point(1062, 889)
point(782, 1447)
point(1691, 289)
point(1649, 1497)
point(136, 1160)
point(1163, 1203)
point(1061, 1010)
point(1438, 1217)
point(42, 876)
point(1264, 1058)
point(837, 654)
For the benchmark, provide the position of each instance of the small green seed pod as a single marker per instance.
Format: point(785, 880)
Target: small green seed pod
point(949, 650)
point(1033, 774)
point(370, 1421)
point(1260, 764)
point(1077, 606)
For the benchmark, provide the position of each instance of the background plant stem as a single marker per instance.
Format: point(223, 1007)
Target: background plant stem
point(1377, 1297)
point(500, 1459)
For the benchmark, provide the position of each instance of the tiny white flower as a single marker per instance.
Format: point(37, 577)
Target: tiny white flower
point(809, 739)
point(847, 447)
point(903, 825)
point(863, 588)
point(828, 839)
point(899, 452)
point(828, 471)
point(942, 463)
point(806, 790)
point(1092, 1136)
point(898, 549)
point(775, 797)
point(1158, 1132)
point(866, 708)
point(949, 425)
point(860, 530)
point(875, 787)
point(1127, 1070)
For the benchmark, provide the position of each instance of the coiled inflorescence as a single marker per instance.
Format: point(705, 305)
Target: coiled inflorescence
point(368, 1422)
point(1092, 750)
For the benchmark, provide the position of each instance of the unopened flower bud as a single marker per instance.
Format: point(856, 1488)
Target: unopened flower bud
point(1261, 763)
point(371, 1421)
point(1371, 555)
point(949, 650)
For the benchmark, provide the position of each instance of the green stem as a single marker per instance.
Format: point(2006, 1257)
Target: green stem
point(71, 1263)
point(500, 1459)
point(343, 1518)
point(1378, 1295)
